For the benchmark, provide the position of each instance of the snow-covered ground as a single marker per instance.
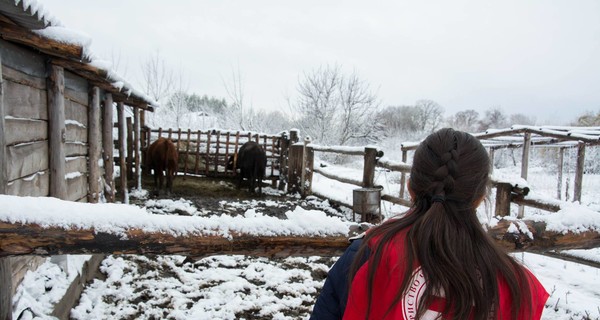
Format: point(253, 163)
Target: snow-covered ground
point(240, 287)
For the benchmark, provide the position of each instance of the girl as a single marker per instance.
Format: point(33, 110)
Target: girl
point(436, 261)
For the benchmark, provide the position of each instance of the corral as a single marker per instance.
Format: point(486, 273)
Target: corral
point(57, 140)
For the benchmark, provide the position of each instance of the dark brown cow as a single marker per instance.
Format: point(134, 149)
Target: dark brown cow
point(252, 162)
point(162, 156)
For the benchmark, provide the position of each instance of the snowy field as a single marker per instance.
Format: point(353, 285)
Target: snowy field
point(240, 287)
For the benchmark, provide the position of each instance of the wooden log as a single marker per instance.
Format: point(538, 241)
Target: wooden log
point(130, 156)
point(328, 175)
point(32, 239)
point(35, 185)
point(542, 239)
point(5, 289)
point(24, 130)
point(107, 148)
point(122, 155)
point(283, 160)
point(170, 134)
point(295, 168)
point(525, 165)
point(503, 198)
point(22, 239)
point(136, 147)
point(47, 45)
point(369, 167)
point(3, 163)
point(57, 131)
point(27, 159)
point(403, 175)
point(578, 183)
point(94, 144)
point(396, 200)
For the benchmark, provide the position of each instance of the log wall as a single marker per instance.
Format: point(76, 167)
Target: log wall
point(26, 122)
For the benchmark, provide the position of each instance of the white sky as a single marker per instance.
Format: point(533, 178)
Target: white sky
point(534, 57)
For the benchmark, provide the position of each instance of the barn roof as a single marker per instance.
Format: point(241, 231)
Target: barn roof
point(27, 22)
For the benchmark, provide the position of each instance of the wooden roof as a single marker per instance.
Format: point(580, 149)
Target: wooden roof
point(19, 21)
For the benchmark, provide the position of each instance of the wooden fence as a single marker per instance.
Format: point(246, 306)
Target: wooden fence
point(206, 152)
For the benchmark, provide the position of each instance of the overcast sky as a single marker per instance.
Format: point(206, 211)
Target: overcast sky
point(540, 58)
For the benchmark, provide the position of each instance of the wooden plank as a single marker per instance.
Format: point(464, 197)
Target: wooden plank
point(107, 148)
point(36, 185)
point(77, 187)
point(3, 159)
point(218, 146)
point(77, 96)
point(19, 77)
point(187, 151)
point(57, 131)
point(76, 164)
point(503, 198)
point(197, 153)
point(77, 112)
point(207, 154)
point(89, 271)
point(24, 130)
point(74, 82)
point(22, 59)
point(76, 133)
point(25, 102)
point(6, 289)
point(26, 159)
point(73, 149)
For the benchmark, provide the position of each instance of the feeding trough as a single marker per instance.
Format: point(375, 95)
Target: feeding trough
point(367, 203)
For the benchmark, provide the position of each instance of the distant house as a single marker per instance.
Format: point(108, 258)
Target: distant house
point(56, 117)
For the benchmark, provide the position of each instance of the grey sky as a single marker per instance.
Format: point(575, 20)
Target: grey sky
point(540, 58)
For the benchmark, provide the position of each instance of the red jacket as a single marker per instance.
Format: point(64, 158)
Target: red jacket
point(387, 281)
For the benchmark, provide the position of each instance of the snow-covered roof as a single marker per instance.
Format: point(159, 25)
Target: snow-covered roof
point(28, 23)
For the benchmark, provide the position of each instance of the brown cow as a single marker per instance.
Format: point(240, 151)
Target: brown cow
point(162, 155)
point(252, 161)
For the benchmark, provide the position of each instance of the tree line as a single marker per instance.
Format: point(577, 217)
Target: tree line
point(331, 106)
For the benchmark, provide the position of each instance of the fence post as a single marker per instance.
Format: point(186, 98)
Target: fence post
point(579, 172)
point(137, 147)
point(94, 146)
point(294, 168)
point(122, 154)
point(403, 175)
point(369, 168)
point(525, 165)
point(107, 148)
point(187, 153)
point(561, 159)
point(306, 188)
point(503, 191)
point(284, 144)
point(129, 148)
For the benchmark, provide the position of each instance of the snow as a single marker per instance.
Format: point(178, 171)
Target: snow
point(118, 218)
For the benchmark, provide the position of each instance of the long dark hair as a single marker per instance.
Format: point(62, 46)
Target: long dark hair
point(449, 178)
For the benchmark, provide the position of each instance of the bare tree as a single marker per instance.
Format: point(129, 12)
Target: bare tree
point(158, 78)
point(429, 115)
point(519, 118)
point(588, 119)
point(494, 119)
point(467, 120)
point(334, 109)
point(239, 114)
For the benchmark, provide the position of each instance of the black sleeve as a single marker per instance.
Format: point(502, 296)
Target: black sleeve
point(331, 302)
